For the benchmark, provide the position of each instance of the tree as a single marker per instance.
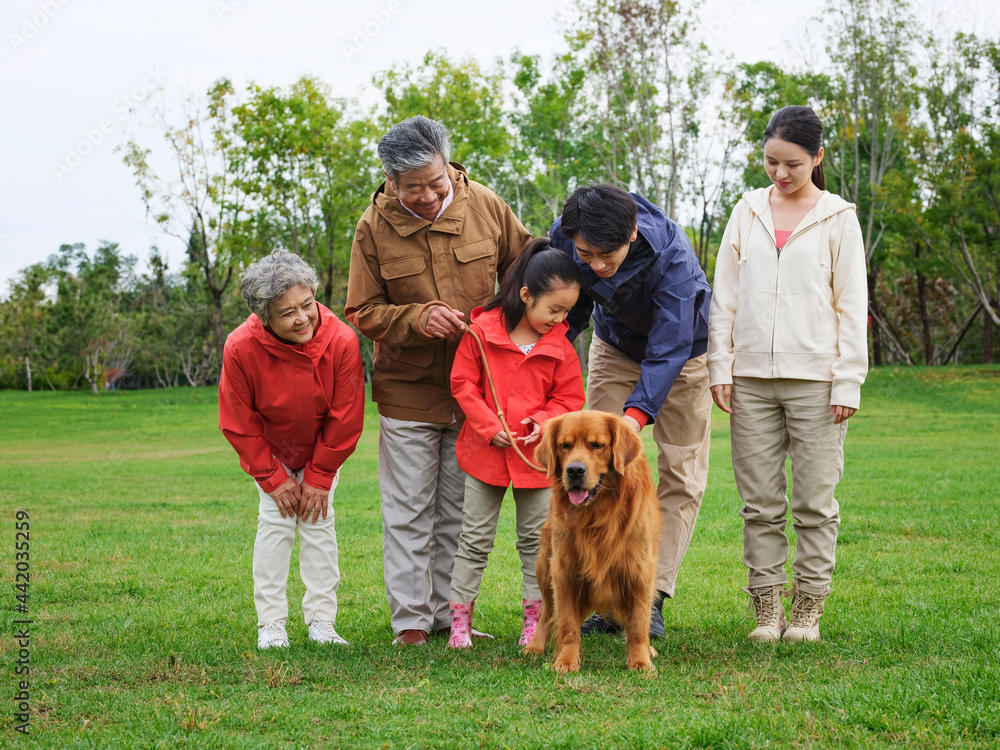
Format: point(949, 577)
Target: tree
point(310, 168)
point(203, 203)
point(875, 96)
point(22, 317)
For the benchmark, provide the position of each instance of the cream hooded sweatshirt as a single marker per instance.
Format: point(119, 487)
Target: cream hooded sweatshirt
point(799, 314)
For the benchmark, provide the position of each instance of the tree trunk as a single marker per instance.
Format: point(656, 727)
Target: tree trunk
point(988, 329)
point(925, 319)
point(27, 370)
point(876, 330)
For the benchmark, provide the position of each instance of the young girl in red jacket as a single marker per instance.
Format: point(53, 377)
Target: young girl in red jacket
point(537, 376)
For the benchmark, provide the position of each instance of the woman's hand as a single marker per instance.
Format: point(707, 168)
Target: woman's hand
point(534, 434)
point(500, 440)
point(842, 413)
point(287, 497)
point(721, 395)
point(314, 501)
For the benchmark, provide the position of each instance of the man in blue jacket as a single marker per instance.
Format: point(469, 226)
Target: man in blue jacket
point(649, 300)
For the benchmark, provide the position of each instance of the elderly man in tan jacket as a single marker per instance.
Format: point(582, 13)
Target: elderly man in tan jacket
point(430, 233)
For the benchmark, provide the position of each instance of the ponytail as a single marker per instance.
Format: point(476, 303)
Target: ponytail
point(541, 268)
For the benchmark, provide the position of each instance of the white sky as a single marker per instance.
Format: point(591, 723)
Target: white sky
point(68, 69)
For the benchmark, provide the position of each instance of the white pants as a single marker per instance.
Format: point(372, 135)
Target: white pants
point(423, 490)
point(272, 555)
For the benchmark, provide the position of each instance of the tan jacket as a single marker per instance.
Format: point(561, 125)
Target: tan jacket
point(399, 262)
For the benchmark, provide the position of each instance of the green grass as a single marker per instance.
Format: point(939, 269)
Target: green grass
point(142, 527)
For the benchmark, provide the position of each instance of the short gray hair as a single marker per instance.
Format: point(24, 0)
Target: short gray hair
point(272, 276)
point(413, 144)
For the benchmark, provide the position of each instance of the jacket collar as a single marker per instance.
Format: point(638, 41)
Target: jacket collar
point(493, 330)
point(313, 349)
point(451, 221)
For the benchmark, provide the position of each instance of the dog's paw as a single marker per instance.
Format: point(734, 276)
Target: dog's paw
point(565, 666)
point(652, 653)
point(533, 650)
point(643, 665)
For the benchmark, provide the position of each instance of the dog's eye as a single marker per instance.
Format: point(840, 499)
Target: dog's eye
point(565, 446)
point(596, 446)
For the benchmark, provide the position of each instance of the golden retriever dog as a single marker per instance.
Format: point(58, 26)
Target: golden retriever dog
point(599, 544)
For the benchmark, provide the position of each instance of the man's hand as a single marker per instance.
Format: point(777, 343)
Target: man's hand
point(632, 422)
point(314, 502)
point(287, 497)
point(442, 322)
point(721, 395)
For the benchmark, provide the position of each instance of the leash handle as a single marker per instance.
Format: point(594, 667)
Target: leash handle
point(486, 370)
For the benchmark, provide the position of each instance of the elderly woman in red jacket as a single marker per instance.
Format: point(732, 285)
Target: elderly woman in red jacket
point(291, 402)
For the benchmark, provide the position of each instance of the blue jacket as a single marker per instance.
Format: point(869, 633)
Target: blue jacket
point(654, 309)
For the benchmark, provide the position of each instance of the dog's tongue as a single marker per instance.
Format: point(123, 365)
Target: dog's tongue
point(577, 496)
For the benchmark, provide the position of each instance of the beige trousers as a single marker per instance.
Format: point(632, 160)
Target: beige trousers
point(272, 556)
point(422, 493)
point(774, 419)
point(479, 530)
point(682, 433)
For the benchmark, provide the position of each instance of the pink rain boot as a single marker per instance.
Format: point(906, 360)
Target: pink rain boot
point(532, 608)
point(461, 625)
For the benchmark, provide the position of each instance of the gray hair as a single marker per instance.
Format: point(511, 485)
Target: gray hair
point(413, 144)
point(272, 276)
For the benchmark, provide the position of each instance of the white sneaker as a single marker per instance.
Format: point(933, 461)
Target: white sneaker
point(272, 635)
point(321, 631)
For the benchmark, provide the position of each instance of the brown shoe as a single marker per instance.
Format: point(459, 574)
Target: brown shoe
point(410, 638)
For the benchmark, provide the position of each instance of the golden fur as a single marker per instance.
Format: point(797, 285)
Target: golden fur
point(598, 551)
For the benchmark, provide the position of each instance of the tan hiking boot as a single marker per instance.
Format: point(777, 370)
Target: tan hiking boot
point(806, 611)
point(770, 614)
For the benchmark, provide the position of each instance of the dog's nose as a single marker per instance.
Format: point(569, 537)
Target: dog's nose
point(576, 471)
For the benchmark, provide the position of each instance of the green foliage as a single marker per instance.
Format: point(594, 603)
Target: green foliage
point(142, 527)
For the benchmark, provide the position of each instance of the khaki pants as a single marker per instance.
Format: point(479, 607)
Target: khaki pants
point(422, 491)
point(682, 432)
point(272, 555)
point(774, 419)
point(479, 530)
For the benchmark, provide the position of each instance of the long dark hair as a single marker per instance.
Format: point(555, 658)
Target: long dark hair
point(801, 126)
point(541, 268)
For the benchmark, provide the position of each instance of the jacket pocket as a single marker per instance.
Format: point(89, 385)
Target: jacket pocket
point(478, 269)
point(401, 275)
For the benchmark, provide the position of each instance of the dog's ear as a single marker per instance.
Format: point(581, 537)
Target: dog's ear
point(626, 443)
point(546, 454)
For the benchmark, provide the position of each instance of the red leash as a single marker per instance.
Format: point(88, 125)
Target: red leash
point(489, 378)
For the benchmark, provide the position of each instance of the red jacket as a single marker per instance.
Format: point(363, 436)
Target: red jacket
point(301, 405)
point(544, 383)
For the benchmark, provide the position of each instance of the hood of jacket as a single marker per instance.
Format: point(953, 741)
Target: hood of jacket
point(314, 348)
point(490, 324)
point(828, 205)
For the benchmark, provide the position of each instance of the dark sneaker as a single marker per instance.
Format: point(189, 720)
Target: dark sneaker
point(597, 624)
point(656, 627)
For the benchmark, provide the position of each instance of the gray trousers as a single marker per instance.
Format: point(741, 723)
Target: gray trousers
point(422, 494)
point(774, 419)
point(479, 530)
point(682, 432)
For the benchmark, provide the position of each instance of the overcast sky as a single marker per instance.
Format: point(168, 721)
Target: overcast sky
point(69, 69)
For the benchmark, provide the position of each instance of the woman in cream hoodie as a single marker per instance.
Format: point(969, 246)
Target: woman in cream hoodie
point(787, 354)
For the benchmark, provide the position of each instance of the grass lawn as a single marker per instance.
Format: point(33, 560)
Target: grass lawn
point(143, 633)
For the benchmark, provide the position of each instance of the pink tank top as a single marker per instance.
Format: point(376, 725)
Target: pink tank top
point(781, 237)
